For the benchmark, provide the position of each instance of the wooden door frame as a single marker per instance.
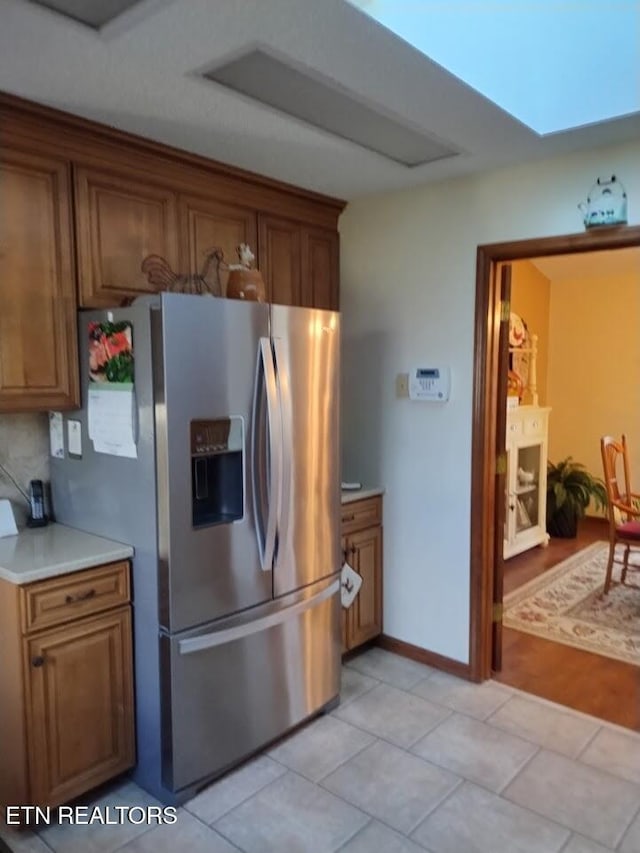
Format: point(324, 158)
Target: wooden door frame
point(486, 406)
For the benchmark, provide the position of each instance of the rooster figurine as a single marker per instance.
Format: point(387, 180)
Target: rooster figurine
point(162, 277)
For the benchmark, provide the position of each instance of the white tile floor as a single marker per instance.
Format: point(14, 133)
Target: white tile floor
point(412, 760)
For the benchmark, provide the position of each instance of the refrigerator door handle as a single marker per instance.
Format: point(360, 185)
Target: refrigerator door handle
point(266, 534)
point(284, 391)
point(254, 626)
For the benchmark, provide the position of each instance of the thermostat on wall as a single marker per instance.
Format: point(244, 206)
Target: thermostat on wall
point(430, 384)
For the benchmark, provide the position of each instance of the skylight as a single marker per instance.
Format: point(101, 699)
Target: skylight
point(552, 64)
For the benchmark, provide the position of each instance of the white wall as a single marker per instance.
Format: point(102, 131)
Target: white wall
point(407, 295)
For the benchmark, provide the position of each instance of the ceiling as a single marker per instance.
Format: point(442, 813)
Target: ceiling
point(143, 72)
point(588, 265)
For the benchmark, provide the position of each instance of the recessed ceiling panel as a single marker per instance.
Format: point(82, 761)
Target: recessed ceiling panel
point(93, 13)
point(299, 94)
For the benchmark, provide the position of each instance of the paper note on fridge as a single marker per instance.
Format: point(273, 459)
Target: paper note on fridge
point(111, 419)
point(350, 583)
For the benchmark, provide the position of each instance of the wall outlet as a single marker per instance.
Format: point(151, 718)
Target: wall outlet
point(402, 385)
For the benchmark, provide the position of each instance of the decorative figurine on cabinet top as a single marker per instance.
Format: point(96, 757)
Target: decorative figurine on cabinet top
point(244, 281)
point(162, 277)
point(606, 204)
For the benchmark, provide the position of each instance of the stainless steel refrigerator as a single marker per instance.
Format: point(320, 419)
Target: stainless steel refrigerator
point(232, 506)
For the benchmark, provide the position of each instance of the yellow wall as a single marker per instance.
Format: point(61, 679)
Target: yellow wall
point(530, 296)
point(594, 368)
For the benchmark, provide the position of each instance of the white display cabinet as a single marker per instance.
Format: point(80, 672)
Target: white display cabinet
point(526, 481)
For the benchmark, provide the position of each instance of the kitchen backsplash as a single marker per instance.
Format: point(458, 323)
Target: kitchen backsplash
point(24, 451)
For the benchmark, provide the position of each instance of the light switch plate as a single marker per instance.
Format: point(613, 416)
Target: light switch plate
point(74, 438)
point(402, 385)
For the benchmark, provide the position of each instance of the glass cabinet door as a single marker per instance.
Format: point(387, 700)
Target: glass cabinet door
point(528, 461)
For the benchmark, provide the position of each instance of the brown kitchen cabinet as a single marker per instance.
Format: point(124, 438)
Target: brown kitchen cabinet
point(299, 264)
point(82, 205)
point(120, 219)
point(362, 549)
point(279, 259)
point(38, 351)
point(207, 224)
point(320, 260)
point(66, 719)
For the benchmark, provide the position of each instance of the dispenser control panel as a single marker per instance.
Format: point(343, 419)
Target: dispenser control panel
point(430, 384)
point(216, 436)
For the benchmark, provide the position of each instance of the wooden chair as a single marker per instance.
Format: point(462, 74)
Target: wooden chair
point(623, 505)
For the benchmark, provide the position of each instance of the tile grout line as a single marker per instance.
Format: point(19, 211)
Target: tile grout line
point(390, 742)
point(429, 731)
point(355, 834)
point(586, 746)
point(636, 814)
point(243, 801)
point(571, 829)
point(381, 820)
point(461, 781)
point(520, 769)
point(528, 739)
point(355, 698)
point(542, 700)
point(338, 766)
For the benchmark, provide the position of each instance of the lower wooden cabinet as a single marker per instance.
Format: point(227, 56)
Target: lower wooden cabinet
point(362, 549)
point(66, 723)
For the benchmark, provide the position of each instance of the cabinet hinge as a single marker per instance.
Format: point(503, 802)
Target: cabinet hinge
point(497, 611)
point(501, 463)
point(505, 312)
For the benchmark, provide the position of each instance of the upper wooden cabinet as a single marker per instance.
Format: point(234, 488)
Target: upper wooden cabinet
point(119, 221)
point(320, 259)
point(279, 259)
point(81, 207)
point(299, 264)
point(38, 353)
point(206, 224)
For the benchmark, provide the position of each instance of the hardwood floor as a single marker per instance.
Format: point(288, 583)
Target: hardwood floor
point(597, 685)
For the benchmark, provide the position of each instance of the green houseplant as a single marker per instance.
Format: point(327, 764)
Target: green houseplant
point(570, 489)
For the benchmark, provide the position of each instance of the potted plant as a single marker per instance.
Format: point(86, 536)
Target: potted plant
point(570, 489)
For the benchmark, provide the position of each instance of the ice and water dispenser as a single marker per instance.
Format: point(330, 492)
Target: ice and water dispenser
point(217, 482)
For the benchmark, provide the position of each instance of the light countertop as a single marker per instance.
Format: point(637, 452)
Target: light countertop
point(45, 552)
point(359, 495)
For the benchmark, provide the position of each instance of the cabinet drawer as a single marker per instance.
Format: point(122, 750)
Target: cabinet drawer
point(514, 429)
point(535, 425)
point(361, 514)
point(61, 599)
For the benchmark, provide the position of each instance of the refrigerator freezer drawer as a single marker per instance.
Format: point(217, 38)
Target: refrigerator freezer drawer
point(235, 689)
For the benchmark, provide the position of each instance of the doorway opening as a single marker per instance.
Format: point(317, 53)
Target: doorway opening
point(489, 429)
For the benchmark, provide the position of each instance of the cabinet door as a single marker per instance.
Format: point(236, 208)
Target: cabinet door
point(79, 706)
point(365, 614)
point(320, 268)
point(279, 247)
point(38, 344)
point(119, 221)
point(206, 224)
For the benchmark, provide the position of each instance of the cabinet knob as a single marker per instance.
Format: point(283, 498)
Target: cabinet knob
point(37, 661)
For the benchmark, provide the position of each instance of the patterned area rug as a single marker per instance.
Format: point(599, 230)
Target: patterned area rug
point(565, 604)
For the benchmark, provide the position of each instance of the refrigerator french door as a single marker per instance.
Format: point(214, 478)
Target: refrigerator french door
point(232, 506)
